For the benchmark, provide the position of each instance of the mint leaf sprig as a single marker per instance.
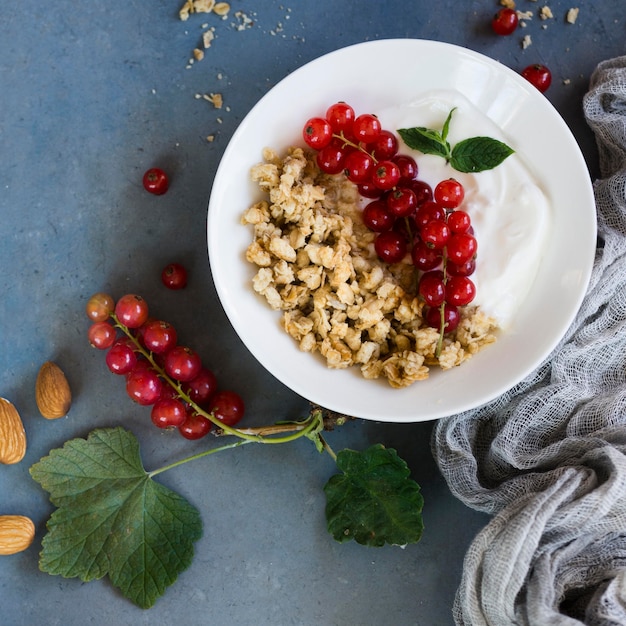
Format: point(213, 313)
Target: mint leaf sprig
point(476, 154)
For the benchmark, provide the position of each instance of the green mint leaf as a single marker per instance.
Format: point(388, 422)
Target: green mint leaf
point(425, 140)
point(112, 518)
point(374, 501)
point(446, 125)
point(478, 154)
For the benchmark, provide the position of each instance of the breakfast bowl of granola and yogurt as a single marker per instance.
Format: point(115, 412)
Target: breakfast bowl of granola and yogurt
point(401, 246)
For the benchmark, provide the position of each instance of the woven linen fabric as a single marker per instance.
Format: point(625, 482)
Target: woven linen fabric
point(548, 458)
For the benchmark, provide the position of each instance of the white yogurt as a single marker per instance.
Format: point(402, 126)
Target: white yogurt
point(510, 212)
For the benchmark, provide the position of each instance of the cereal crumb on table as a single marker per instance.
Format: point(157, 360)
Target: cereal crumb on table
point(509, 4)
point(572, 15)
point(315, 264)
point(526, 41)
point(545, 13)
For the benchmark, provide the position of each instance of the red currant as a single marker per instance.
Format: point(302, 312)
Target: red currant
point(459, 222)
point(121, 358)
point(449, 193)
point(425, 258)
point(385, 175)
point(451, 317)
point(460, 290)
point(539, 76)
point(377, 217)
point(155, 181)
point(435, 234)
point(174, 276)
point(359, 166)
point(408, 167)
point(143, 385)
point(202, 387)
point(168, 413)
point(366, 128)
point(131, 310)
point(195, 426)
point(332, 158)
point(227, 406)
point(158, 336)
point(432, 288)
point(101, 335)
point(390, 246)
point(401, 202)
point(99, 307)
point(423, 191)
point(461, 247)
point(369, 190)
point(505, 22)
point(464, 269)
point(427, 212)
point(340, 116)
point(317, 133)
point(182, 363)
point(384, 147)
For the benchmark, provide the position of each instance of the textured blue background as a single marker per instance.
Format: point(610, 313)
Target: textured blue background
point(91, 95)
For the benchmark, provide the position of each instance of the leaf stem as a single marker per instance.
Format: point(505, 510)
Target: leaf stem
point(328, 449)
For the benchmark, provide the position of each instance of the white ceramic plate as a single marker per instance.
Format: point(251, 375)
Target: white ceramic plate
point(365, 75)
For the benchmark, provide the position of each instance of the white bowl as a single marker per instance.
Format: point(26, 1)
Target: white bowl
point(372, 76)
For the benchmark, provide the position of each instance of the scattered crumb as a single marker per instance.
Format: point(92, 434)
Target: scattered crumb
point(198, 54)
point(523, 16)
point(566, 81)
point(526, 41)
point(221, 9)
point(210, 138)
point(545, 13)
point(243, 21)
point(509, 4)
point(195, 6)
point(572, 15)
point(207, 37)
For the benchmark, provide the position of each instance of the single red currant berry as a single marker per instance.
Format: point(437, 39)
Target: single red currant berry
point(143, 385)
point(459, 222)
point(359, 166)
point(155, 181)
point(435, 234)
point(340, 116)
point(174, 276)
point(432, 288)
point(317, 133)
point(384, 147)
point(390, 246)
point(385, 175)
point(369, 190)
point(427, 212)
point(201, 388)
point(460, 290)
point(159, 336)
point(100, 307)
point(195, 426)
point(406, 228)
point(168, 413)
point(461, 247)
point(131, 310)
point(464, 269)
point(451, 317)
point(539, 76)
point(227, 406)
point(423, 191)
point(449, 193)
point(332, 158)
point(505, 22)
point(366, 128)
point(401, 202)
point(377, 217)
point(121, 358)
point(408, 167)
point(182, 363)
point(425, 258)
point(101, 335)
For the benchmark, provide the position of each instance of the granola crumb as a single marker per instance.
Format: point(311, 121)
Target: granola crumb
point(545, 13)
point(526, 41)
point(572, 15)
point(198, 54)
point(508, 4)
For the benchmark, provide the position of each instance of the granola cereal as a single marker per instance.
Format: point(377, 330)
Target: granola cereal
point(316, 264)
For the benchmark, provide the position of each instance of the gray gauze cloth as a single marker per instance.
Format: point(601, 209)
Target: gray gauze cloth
point(547, 459)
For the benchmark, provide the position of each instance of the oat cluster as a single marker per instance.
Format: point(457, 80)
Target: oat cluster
point(316, 264)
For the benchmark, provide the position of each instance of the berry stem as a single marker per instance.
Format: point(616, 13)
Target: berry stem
point(358, 146)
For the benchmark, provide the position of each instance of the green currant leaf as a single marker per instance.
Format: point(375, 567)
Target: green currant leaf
point(478, 154)
point(112, 518)
point(374, 501)
point(425, 140)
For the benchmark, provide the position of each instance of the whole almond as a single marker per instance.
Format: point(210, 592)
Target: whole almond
point(52, 391)
point(12, 434)
point(16, 533)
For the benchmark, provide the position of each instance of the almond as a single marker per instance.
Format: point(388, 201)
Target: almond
point(12, 434)
point(52, 391)
point(16, 533)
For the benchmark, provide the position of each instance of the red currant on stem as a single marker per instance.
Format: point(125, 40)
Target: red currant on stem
point(340, 115)
point(131, 310)
point(385, 175)
point(359, 166)
point(366, 128)
point(445, 317)
point(227, 406)
point(195, 426)
point(377, 217)
point(121, 358)
point(390, 246)
point(155, 181)
point(539, 76)
point(332, 158)
point(100, 307)
point(317, 133)
point(384, 146)
point(460, 290)
point(201, 388)
point(174, 276)
point(143, 385)
point(182, 363)
point(401, 202)
point(101, 335)
point(159, 336)
point(168, 413)
point(449, 193)
point(432, 288)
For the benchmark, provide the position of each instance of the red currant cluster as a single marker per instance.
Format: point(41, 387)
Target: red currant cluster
point(159, 372)
point(406, 214)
